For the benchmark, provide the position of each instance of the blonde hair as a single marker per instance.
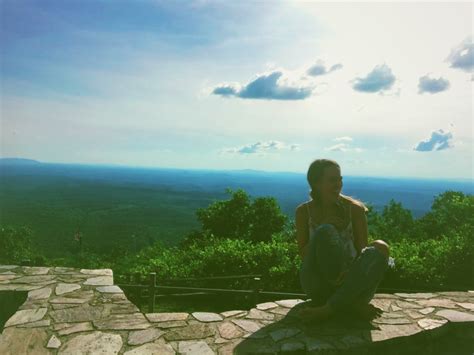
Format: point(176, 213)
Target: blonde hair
point(316, 172)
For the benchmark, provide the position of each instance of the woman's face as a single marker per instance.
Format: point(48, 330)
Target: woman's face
point(331, 183)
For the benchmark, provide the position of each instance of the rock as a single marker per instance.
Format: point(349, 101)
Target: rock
point(93, 343)
point(389, 331)
point(280, 310)
point(64, 270)
point(166, 316)
point(78, 314)
point(416, 295)
point(190, 347)
point(100, 281)
point(255, 313)
point(283, 333)
point(62, 288)
point(102, 272)
point(413, 314)
point(392, 320)
point(233, 313)
point(122, 308)
point(405, 305)
point(289, 303)
point(426, 310)
point(140, 337)
point(394, 307)
point(191, 331)
point(266, 305)
point(64, 305)
point(455, 316)
point(152, 349)
point(36, 270)
point(122, 322)
point(428, 323)
point(381, 303)
point(109, 289)
point(38, 324)
point(23, 341)
point(207, 316)
point(247, 325)
point(8, 267)
point(40, 294)
point(75, 297)
point(229, 330)
point(19, 287)
point(26, 316)
point(53, 342)
point(35, 279)
point(171, 324)
point(71, 328)
point(469, 306)
point(438, 302)
point(6, 277)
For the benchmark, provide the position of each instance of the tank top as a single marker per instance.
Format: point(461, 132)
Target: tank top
point(346, 235)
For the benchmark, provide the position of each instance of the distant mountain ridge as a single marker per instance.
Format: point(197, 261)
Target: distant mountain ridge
point(19, 161)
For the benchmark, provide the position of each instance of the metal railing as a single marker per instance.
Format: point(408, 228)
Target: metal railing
point(136, 287)
point(256, 292)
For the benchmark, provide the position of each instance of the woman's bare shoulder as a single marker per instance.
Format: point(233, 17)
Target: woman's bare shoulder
point(355, 205)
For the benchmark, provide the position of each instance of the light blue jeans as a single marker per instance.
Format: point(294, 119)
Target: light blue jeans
point(324, 261)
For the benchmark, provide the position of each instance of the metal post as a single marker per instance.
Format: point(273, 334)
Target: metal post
point(137, 291)
point(256, 289)
point(151, 292)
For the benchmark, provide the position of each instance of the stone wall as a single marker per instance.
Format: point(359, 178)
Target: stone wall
point(79, 311)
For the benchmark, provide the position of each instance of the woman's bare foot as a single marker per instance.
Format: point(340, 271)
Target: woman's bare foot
point(365, 311)
point(315, 313)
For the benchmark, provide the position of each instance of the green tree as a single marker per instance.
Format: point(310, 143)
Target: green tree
point(241, 217)
point(394, 223)
point(451, 210)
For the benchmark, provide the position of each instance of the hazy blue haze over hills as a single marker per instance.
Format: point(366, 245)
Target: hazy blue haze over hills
point(289, 188)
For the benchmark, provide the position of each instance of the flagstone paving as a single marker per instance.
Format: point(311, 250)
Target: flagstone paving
point(80, 311)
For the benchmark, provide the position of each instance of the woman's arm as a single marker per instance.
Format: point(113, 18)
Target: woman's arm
point(302, 229)
point(359, 227)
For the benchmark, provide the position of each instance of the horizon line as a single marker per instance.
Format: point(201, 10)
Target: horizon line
point(464, 179)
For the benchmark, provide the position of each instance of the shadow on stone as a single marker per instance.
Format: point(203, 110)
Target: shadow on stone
point(291, 335)
point(10, 301)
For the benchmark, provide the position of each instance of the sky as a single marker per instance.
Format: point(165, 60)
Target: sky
point(383, 88)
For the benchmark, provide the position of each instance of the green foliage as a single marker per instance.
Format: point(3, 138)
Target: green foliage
point(276, 260)
point(16, 244)
point(451, 210)
point(241, 235)
point(241, 218)
point(395, 222)
point(442, 262)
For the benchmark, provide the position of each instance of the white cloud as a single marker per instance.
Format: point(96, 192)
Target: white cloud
point(319, 68)
point(345, 139)
point(432, 85)
point(379, 79)
point(260, 148)
point(462, 56)
point(439, 140)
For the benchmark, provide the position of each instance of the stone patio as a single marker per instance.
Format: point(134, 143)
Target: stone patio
point(79, 311)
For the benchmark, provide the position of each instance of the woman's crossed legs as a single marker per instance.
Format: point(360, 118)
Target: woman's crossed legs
point(327, 261)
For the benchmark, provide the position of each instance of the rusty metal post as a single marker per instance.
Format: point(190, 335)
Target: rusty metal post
point(256, 288)
point(151, 292)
